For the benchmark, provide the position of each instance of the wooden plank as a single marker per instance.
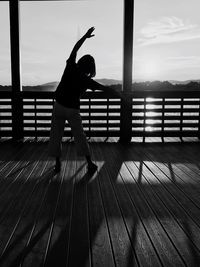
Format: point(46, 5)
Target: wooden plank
point(170, 223)
point(55, 225)
point(79, 234)
point(101, 248)
point(184, 166)
point(41, 230)
point(12, 215)
point(58, 249)
point(16, 247)
point(12, 172)
point(13, 175)
point(141, 251)
point(163, 247)
point(7, 151)
point(189, 192)
point(117, 230)
point(183, 211)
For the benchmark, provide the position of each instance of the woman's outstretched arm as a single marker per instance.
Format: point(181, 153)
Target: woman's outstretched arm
point(98, 86)
point(77, 46)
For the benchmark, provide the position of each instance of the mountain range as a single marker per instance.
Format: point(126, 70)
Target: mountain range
point(109, 82)
point(51, 86)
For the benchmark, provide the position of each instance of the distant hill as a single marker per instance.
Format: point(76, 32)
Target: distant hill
point(108, 81)
point(116, 84)
point(51, 86)
point(183, 82)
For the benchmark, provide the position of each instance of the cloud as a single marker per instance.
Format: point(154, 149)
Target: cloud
point(168, 30)
point(183, 62)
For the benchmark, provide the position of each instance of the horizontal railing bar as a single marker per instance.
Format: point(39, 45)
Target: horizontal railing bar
point(137, 124)
point(32, 124)
point(159, 110)
point(105, 103)
point(32, 117)
point(166, 117)
point(86, 103)
point(165, 134)
point(167, 102)
point(111, 110)
point(93, 117)
point(172, 125)
point(93, 110)
point(105, 124)
point(164, 94)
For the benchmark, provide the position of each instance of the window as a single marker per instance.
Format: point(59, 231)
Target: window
point(166, 40)
point(49, 31)
point(5, 67)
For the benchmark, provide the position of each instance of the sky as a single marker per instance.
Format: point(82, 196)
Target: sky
point(166, 38)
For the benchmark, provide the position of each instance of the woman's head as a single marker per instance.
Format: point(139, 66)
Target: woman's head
point(87, 66)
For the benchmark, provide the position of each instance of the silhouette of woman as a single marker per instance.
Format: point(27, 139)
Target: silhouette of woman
point(76, 79)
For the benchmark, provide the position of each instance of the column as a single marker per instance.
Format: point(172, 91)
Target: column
point(126, 104)
point(17, 104)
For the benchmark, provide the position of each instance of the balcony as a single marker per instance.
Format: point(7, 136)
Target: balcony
point(141, 208)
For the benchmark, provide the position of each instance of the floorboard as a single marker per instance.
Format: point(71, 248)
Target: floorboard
point(141, 208)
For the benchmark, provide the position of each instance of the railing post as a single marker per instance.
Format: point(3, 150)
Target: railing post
point(126, 103)
point(126, 119)
point(17, 102)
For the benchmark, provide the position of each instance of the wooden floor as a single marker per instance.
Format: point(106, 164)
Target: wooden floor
point(142, 207)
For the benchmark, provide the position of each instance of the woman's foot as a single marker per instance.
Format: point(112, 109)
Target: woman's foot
point(92, 168)
point(57, 166)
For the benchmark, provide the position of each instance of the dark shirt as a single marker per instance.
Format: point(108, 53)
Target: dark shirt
point(72, 85)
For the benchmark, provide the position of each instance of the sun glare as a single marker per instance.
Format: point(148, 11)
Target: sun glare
point(150, 69)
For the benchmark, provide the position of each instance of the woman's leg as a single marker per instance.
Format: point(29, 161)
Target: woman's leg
point(75, 123)
point(57, 129)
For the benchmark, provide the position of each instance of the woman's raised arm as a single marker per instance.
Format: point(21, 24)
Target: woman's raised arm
point(77, 46)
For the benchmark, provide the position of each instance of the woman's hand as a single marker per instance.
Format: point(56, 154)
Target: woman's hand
point(89, 32)
point(80, 42)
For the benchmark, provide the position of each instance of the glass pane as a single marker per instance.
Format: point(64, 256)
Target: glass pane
point(5, 68)
point(49, 30)
point(167, 40)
